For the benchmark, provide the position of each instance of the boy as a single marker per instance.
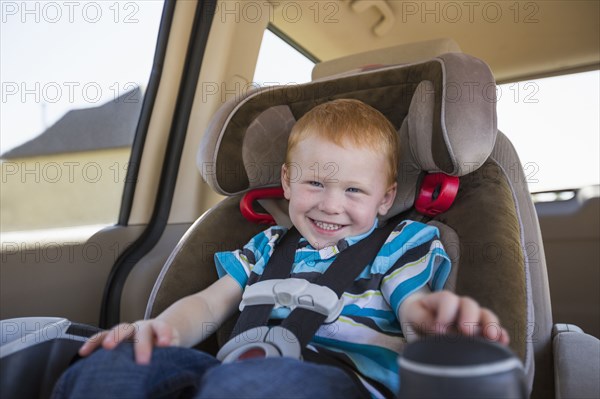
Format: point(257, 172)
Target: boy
point(339, 177)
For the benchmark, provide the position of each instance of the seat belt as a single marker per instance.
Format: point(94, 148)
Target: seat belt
point(252, 338)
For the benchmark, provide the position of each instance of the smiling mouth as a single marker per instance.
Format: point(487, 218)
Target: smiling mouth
point(327, 226)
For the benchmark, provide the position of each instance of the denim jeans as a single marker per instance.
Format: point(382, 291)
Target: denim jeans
point(187, 373)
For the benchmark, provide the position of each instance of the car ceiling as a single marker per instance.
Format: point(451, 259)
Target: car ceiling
point(517, 39)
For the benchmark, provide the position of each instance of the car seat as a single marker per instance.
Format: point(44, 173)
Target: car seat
point(445, 112)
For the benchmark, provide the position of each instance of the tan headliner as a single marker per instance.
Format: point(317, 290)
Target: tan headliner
point(525, 39)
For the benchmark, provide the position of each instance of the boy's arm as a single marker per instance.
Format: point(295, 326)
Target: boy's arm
point(443, 312)
point(184, 323)
point(197, 316)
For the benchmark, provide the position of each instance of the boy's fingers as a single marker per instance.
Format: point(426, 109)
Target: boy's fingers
point(505, 338)
point(92, 343)
point(144, 335)
point(447, 310)
point(118, 334)
point(107, 339)
point(165, 335)
point(144, 340)
point(488, 317)
point(468, 316)
point(491, 328)
point(441, 312)
point(425, 317)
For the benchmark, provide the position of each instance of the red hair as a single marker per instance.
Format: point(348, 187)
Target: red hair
point(349, 122)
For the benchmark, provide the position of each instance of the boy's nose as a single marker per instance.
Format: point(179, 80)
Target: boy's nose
point(331, 203)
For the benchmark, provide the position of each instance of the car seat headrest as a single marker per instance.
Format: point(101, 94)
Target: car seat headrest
point(454, 131)
point(407, 53)
point(444, 109)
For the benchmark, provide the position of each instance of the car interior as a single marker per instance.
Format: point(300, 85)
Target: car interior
point(198, 148)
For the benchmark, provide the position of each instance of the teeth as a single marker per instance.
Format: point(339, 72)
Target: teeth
point(328, 226)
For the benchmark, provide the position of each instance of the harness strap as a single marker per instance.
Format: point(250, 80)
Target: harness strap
point(258, 315)
point(303, 323)
point(338, 277)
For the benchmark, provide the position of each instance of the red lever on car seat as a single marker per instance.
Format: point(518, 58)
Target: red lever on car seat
point(253, 353)
point(438, 191)
point(248, 199)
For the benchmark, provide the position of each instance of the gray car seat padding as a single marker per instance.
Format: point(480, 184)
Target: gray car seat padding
point(539, 312)
point(575, 375)
point(462, 127)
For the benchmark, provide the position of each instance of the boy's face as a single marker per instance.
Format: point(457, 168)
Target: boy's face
point(335, 192)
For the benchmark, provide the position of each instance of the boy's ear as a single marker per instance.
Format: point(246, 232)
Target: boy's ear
point(285, 181)
point(388, 200)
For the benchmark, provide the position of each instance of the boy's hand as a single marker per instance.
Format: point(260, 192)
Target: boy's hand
point(145, 334)
point(184, 323)
point(443, 312)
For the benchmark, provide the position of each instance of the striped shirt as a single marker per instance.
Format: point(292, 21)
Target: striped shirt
point(367, 333)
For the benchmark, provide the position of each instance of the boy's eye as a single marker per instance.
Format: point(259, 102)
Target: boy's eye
point(315, 184)
point(354, 190)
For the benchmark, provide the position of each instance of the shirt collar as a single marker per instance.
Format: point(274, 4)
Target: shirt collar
point(332, 250)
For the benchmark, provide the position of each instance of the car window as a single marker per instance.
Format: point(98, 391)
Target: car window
point(279, 63)
point(553, 124)
point(73, 78)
